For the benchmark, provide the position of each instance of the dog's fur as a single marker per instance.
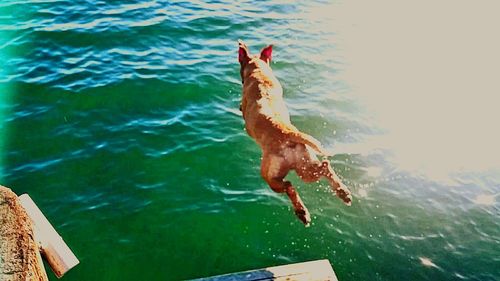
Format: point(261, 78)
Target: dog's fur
point(284, 147)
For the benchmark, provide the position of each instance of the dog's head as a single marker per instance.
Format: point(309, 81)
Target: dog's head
point(246, 59)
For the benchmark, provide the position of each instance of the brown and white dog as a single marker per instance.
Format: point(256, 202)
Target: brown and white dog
point(284, 147)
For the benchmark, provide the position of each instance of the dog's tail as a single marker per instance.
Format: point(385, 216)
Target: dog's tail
point(306, 139)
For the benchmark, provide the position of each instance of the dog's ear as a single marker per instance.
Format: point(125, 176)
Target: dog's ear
point(266, 53)
point(243, 54)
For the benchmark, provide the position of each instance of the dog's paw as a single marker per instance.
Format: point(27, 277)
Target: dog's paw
point(344, 194)
point(304, 216)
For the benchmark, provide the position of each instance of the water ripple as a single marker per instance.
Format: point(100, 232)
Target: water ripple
point(92, 67)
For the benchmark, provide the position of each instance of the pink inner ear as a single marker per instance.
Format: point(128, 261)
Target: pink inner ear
point(266, 53)
point(242, 55)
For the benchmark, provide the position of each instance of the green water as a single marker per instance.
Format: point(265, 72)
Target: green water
point(121, 121)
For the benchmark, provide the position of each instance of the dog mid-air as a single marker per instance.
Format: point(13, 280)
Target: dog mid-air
point(284, 147)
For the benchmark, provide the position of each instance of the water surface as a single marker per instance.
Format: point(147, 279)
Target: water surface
point(120, 119)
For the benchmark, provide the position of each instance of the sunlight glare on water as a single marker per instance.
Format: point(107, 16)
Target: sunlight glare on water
point(427, 262)
point(485, 199)
point(428, 75)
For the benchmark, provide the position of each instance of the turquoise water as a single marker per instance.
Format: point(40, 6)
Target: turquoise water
point(120, 119)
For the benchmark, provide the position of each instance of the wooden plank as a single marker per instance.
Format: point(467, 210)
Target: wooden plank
point(19, 254)
point(313, 270)
point(59, 256)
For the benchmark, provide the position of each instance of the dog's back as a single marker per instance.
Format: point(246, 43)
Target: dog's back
point(264, 110)
point(266, 116)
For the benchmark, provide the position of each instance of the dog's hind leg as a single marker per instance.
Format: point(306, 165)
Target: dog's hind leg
point(311, 170)
point(273, 170)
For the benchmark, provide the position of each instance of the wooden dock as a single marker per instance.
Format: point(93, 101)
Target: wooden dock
point(310, 271)
point(24, 234)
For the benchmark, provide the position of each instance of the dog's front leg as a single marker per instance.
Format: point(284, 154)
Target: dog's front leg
point(273, 171)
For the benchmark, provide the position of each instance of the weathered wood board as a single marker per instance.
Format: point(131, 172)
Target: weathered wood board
point(310, 271)
point(59, 256)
